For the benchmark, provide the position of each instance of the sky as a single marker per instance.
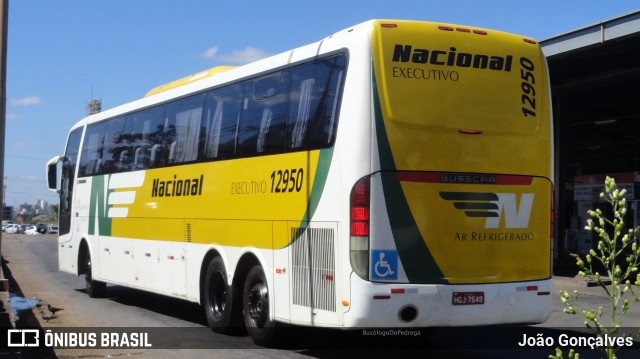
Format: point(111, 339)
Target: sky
point(61, 54)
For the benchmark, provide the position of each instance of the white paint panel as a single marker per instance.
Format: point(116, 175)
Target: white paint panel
point(118, 212)
point(125, 180)
point(122, 197)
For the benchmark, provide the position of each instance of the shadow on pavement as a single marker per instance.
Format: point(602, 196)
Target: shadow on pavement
point(25, 320)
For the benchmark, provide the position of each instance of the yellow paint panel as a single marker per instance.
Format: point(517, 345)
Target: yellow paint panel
point(189, 79)
point(433, 83)
point(226, 202)
point(467, 249)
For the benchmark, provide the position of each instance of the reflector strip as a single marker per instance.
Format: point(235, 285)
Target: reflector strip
point(529, 288)
point(381, 297)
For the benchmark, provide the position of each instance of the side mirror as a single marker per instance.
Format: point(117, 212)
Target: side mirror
point(52, 173)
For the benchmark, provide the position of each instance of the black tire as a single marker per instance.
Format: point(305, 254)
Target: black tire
point(94, 288)
point(218, 299)
point(255, 305)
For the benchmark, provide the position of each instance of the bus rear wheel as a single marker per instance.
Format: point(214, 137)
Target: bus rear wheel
point(255, 308)
point(219, 298)
point(94, 288)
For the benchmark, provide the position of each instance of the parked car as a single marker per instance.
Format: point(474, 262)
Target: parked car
point(42, 228)
point(52, 230)
point(14, 228)
point(25, 226)
point(31, 229)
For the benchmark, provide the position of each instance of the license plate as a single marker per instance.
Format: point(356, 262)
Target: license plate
point(467, 298)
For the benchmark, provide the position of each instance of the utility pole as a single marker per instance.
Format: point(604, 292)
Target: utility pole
point(4, 17)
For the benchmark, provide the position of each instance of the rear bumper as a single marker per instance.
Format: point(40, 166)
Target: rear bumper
point(504, 303)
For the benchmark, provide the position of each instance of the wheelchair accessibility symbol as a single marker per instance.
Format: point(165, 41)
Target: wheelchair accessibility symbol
point(384, 264)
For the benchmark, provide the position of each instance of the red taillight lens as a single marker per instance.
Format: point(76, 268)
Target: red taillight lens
point(360, 208)
point(360, 216)
point(359, 228)
point(359, 213)
point(360, 193)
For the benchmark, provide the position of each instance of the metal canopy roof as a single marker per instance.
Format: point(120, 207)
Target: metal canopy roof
point(595, 81)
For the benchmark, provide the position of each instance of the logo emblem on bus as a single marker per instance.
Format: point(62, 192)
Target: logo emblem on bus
point(384, 264)
point(493, 207)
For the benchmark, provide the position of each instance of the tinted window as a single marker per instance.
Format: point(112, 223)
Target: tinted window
point(185, 121)
point(67, 178)
point(91, 158)
point(263, 119)
point(150, 132)
point(222, 111)
point(315, 97)
point(116, 149)
point(294, 109)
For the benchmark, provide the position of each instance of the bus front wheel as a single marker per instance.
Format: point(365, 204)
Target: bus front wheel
point(255, 308)
point(218, 297)
point(94, 288)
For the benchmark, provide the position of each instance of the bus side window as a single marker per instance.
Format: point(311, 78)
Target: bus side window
point(222, 111)
point(156, 136)
point(315, 94)
point(272, 128)
point(186, 114)
point(274, 119)
point(302, 114)
point(112, 145)
point(264, 117)
point(140, 144)
point(90, 158)
point(261, 129)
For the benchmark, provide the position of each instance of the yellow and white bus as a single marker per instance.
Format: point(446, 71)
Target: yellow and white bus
point(394, 174)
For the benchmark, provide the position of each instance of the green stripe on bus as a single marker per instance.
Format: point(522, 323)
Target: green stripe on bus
point(319, 181)
point(97, 208)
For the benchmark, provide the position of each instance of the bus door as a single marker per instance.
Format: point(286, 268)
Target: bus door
point(67, 258)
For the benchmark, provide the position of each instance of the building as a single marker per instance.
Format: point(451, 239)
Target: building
point(594, 72)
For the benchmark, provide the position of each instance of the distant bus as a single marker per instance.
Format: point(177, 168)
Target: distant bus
point(395, 174)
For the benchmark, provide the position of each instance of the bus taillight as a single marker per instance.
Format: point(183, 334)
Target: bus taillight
point(359, 224)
